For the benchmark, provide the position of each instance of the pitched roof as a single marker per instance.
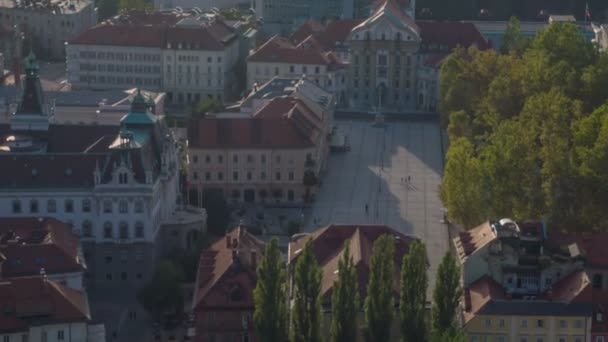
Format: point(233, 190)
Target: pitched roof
point(445, 36)
point(283, 122)
point(24, 299)
point(280, 49)
point(210, 36)
point(227, 266)
point(309, 27)
point(474, 239)
point(392, 11)
point(593, 245)
point(327, 36)
point(328, 247)
point(30, 244)
point(479, 293)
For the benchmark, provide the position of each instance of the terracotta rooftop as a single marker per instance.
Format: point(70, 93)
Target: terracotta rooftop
point(212, 36)
point(283, 122)
point(571, 296)
point(280, 49)
point(328, 247)
point(328, 36)
point(445, 36)
point(32, 299)
point(30, 244)
point(227, 269)
point(593, 245)
point(311, 26)
point(474, 239)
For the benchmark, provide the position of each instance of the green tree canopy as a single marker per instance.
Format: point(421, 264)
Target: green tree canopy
point(306, 310)
point(513, 40)
point(345, 300)
point(162, 294)
point(414, 284)
point(270, 316)
point(380, 301)
point(446, 297)
point(512, 121)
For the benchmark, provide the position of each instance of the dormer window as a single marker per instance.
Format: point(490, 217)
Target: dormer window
point(123, 178)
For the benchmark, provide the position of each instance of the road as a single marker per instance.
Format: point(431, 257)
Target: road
point(375, 173)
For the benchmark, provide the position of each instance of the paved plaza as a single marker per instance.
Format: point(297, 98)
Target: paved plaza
point(375, 173)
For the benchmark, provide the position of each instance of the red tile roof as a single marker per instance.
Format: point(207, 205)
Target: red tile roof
point(279, 49)
point(282, 123)
point(38, 243)
point(474, 239)
point(225, 267)
point(593, 245)
point(479, 293)
point(573, 288)
point(328, 246)
point(336, 31)
point(213, 36)
point(23, 299)
point(444, 36)
point(136, 17)
point(311, 26)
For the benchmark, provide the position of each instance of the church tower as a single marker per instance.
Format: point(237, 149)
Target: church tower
point(33, 113)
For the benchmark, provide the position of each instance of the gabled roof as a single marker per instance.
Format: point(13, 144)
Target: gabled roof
point(593, 245)
point(445, 36)
point(474, 239)
point(24, 299)
point(225, 266)
point(284, 122)
point(328, 248)
point(394, 13)
point(280, 50)
point(329, 36)
point(30, 244)
point(311, 26)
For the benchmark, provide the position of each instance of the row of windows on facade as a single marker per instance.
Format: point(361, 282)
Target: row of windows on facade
point(366, 96)
point(122, 68)
point(68, 206)
point(383, 60)
point(249, 158)
point(120, 56)
point(123, 276)
point(189, 58)
point(538, 323)
point(235, 176)
point(108, 230)
point(382, 71)
point(292, 69)
point(119, 80)
point(180, 97)
point(197, 81)
point(396, 84)
point(196, 69)
point(44, 337)
point(524, 338)
point(382, 36)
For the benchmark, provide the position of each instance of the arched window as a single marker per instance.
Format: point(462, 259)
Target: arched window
point(86, 206)
point(87, 229)
point(33, 206)
point(51, 206)
point(139, 206)
point(107, 206)
point(139, 229)
point(107, 230)
point(123, 207)
point(69, 206)
point(124, 230)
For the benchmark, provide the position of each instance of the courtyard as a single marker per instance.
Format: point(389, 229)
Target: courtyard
point(375, 173)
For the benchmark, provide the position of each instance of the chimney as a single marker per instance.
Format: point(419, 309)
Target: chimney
point(227, 241)
point(254, 259)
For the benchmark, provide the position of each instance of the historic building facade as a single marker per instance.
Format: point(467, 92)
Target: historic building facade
point(115, 185)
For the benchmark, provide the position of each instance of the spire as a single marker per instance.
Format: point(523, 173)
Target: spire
point(31, 66)
point(32, 113)
point(140, 111)
point(139, 104)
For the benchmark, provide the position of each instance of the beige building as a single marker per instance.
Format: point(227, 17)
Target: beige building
point(189, 58)
point(48, 25)
point(272, 150)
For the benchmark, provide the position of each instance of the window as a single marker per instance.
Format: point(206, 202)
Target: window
point(235, 176)
point(488, 323)
point(139, 229)
point(220, 176)
point(578, 324)
point(599, 339)
point(87, 229)
point(290, 175)
point(69, 206)
point(39, 260)
point(220, 159)
point(207, 159)
point(263, 158)
point(235, 158)
point(123, 207)
point(139, 206)
point(523, 339)
point(523, 323)
point(263, 175)
point(563, 324)
point(195, 159)
point(33, 206)
point(86, 206)
point(108, 276)
point(304, 69)
point(540, 323)
point(107, 206)
point(277, 176)
point(249, 158)
point(317, 70)
point(107, 230)
point(249, 176)
point(597, 281)
point(278, 159)
point(124, 230)
point(292, 69)
point(51, 206)
point(123, 275)
point(561, 339)
point(501, 323)
point(6, 339)
point(60, 335)
point(540, 339)
point(207, 176)
point(16, 206)
point(500, 339)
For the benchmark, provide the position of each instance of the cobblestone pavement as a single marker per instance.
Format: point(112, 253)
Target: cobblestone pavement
point(375, 173)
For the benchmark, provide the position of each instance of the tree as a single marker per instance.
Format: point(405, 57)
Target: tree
point(414, 283)
point(306, 310)
point(456, 335)
point(187, 259)
point(345, 300)
point(565, 42)
point(446, 296)
point(129, 5)
point(513, 40)
point(162, 294)
point(107, 9)
point(379, 304)
point(210, 105)
point(270, 316)
point(217, 211)
point(231, 14)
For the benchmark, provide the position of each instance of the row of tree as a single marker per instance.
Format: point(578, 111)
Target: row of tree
point(528, 130)
point(302, 321)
